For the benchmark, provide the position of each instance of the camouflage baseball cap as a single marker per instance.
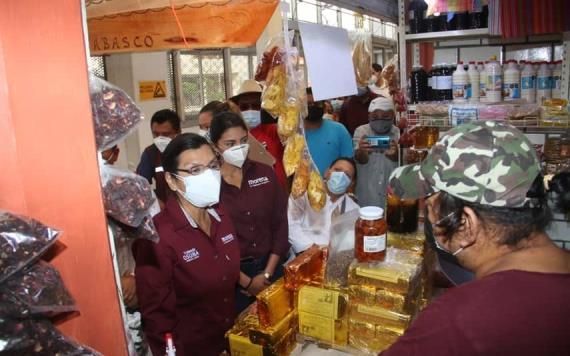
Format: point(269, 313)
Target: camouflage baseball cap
point(485, 162)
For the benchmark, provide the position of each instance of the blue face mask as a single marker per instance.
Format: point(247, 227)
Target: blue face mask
point(252, 118)
point(338, 183)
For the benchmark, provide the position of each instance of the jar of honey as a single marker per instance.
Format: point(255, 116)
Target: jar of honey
point(370, 235)
point(401, 214)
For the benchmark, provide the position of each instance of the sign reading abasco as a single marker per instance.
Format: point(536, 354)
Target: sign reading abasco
point(127, 43)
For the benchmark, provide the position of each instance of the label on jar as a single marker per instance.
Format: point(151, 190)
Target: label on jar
point(373, 244)
point(444, 82)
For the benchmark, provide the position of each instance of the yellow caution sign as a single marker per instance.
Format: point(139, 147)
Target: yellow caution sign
point(149, 90)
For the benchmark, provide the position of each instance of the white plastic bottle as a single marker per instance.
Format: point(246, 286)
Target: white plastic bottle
point(528, 83)
point(535, 66)
point(474, 80)
point(482, 82)
point(556, 83)
point(512, 81)
point(543, 89)
point(494, 83)
point(461, 84)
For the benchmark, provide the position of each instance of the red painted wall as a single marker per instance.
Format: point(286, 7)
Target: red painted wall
point(48, 156)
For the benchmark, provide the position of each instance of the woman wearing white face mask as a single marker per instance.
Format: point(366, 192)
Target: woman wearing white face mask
point(256, 202)
point(186, 281)
point(308, 227)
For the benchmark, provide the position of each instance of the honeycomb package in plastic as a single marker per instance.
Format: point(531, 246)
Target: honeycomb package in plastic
point(273, 304)
point(242, 345)
point(374, 296)
point(324, 302)
point(414, 241)
point(305, 268)
point(271, 335)
point(400, 272)
point(378, 316)
point(371, 338)
point(333, 332)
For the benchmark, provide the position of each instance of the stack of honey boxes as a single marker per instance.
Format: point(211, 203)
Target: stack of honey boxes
point(268, 327)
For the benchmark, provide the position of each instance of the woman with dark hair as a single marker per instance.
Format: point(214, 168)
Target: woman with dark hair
point(487, 211)
point(186, 281)
point(257, 205)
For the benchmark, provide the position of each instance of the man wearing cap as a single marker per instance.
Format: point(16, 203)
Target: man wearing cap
point(375, 164)
point(262, 126)
point(487, 210)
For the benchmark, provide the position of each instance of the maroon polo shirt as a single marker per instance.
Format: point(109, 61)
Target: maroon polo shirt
point(506, 313)
point(259, 211)
point(185, 283)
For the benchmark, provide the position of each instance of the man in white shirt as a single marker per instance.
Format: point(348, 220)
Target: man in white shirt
point(308, 227)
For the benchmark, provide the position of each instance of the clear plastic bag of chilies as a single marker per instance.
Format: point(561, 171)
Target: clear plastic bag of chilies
point(37, 337)
point(38, 290)
point(361, 55)
point(126, 195)
point(115, 114)
point(22, 240)
point(341, 248)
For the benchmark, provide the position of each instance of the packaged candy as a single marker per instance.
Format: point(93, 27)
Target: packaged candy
point(305, 268)
point(293, 153)
point(271, 335)
point(378, 315)
point(273, 304)
point(301, 180)
point(37, 290)
point(115, 114)
point(414, 242)
point(341, 249)
point(316, 191)
point(288, 122)
point(273, 97)
point(371, 338)
point(127, 196)
point(22, 240)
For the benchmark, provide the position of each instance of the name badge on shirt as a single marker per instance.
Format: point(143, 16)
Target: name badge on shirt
point(257, 182)
point(191, 255)
point(227, 239)
point(159, 169)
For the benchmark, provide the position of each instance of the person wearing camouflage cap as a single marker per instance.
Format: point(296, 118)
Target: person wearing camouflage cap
point(486, 207)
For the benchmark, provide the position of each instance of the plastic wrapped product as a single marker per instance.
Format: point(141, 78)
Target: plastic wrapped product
point(36, 291)
point(37, 337)
point(274, 95)
point(127, 196)
point(270, 58)
point(146, 230)
point(378, 316)
point(304, 269)
point(414, 242)
point(324, 302)
point(272, 335)
point(273, 304)
point(293, 153)
point(301, 180)
point(371, 338)
point(316, 191)
point(400, 272)
point(288, 122)
point(373, 296)
point(341, 249)
point(22, 240)
point(331, 331)
point(361, 55)
point(115, 114)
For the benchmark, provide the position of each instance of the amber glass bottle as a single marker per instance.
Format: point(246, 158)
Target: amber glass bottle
point(370, 235)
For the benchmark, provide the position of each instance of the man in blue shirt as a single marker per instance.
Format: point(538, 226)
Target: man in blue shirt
point(327, 139)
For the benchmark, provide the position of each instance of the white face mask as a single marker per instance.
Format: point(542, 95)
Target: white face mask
point(252, 118)
point(236, 155)
point(161, 142)
point(373, 79)
point(202, 190)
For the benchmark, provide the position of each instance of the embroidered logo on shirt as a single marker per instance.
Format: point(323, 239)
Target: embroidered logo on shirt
point(191, 255)
point(257, 182)
point(228, 238)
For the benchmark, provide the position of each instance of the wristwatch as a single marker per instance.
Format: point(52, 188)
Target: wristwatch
point(267, 275)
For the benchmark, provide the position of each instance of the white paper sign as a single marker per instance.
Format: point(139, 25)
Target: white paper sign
point(329, 61)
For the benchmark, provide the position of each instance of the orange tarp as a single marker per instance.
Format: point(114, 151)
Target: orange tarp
point(134, 26)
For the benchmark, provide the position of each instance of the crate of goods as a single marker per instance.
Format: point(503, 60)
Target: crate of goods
point(323, 315)
point(306, 268)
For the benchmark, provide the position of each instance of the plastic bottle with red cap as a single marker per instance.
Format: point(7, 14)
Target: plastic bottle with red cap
point(170, 349)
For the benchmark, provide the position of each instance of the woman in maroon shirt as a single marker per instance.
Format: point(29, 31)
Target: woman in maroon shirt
point(257, 205)
point(186, 282)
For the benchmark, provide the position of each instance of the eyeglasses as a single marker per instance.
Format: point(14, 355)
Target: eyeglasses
point(214, 165)
point(249, 106)
point(440, 221)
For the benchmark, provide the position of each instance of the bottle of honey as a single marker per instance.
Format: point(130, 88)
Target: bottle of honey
point(370, 235)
